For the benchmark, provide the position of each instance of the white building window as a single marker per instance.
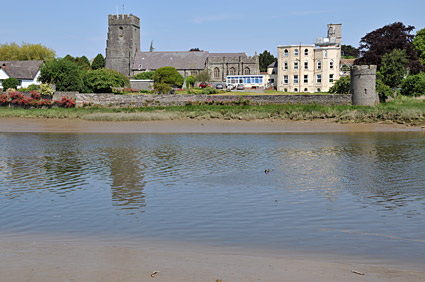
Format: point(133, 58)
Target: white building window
point(285, 79)
point(325, 54)
point(295, 78)
point(319, 65)
point(306, 52)
point(285, 53)
point(319, 78)
point(305, 90)
point(306, 65)
point(286, 65)
point(306, 78)
point(295, 89)
point(295, 65)
point(331, 78)
point(331, 64)
point(296, 52)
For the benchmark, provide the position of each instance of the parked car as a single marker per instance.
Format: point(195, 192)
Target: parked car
point(240, 87)
point(219, 86)
point(231, 87)
point(203, 85)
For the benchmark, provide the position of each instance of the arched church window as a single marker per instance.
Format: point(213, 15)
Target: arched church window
point(216, 72)
point(232, 71)
point(247, 71)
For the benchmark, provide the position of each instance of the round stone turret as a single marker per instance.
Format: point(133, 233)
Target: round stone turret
point(363, 85)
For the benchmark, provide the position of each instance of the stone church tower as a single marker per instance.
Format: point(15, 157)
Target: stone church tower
point(123, 42)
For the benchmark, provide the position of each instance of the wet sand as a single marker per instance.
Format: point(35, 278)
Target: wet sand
point(194, 126)
point(34, 258)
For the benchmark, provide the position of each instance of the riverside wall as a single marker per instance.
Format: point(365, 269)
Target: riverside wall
point(114, 100)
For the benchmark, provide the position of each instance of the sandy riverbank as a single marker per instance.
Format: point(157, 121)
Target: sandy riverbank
point(193, 126)
point(33, 259)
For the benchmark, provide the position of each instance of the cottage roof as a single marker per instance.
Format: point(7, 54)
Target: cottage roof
point(21, 69)
point(184, 60)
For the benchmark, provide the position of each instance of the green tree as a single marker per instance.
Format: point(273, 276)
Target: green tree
point(102, 80)
point(266, 58)
point(191, 80)
point(147, 75)
point(67, 75)
point(341, 86)
point(384, 40)
point(419, 43)
point(203, 76)
point(10, 82)
point(166, 77)
point(413, 85)
point(349, 52)
point(81, 61)
point(98, 62)
point(383, 90)
point(151, 48)
point(15, 52)
point(393, 68)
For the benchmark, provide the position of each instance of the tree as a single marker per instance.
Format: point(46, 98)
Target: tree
point(341, 86)
point(266, 58)
point(393, 68)
point(419, 43)
point(14, 52)
point(413, 85)
point(349, 52)
point(10, 82)
point(151, 49)
point(82, 61)
point(203, 76)
point(67, 75)
point(147, 75)
point(98, 62)
point(191, 80)
point(102, 80)
point(168, 75)
point(384, 40)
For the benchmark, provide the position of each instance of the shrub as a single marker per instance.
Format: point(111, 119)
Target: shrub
point(341, 86)
point(102, 80)
point(35, 95)
point(191, 80)
point(46, 89)
point(161, 88)
point(30, 88)
point(413, 85)
point(10, 82)
point(147, 75)
point(4, 100)
point(168, 75)
point(144, 91)
point(383, 90)
point(66, 102)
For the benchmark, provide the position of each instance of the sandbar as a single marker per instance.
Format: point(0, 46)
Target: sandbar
point(194, 126)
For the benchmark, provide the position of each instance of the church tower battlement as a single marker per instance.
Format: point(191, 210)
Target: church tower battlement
point(123, 42)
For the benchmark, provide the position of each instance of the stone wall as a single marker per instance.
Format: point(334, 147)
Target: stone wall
point(112, 100)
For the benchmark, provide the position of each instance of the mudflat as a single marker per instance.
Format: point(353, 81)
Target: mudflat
point(51, 260)
point(193, 126)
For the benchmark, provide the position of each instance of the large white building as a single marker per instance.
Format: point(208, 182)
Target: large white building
point(310, 68)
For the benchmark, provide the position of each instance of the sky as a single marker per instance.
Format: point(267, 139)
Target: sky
point(80, 27)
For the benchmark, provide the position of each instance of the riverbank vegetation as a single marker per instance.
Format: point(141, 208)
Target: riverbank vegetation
point(403, 110)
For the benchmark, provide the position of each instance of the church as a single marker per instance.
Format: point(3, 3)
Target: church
point(123, 54)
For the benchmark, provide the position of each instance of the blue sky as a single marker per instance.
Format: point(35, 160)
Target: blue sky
point(80, 27)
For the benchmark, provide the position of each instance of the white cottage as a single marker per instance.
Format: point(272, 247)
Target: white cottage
point(26, 72)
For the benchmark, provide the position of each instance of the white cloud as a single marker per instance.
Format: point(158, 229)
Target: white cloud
point(212, 18)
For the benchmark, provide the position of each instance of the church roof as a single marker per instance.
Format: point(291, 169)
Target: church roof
point(21, 69)
point(185, 60)
point(228, 55)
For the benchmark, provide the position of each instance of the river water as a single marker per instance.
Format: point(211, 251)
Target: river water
point(358, 194)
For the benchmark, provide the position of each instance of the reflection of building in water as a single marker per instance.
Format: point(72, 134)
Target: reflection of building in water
point(127, 175)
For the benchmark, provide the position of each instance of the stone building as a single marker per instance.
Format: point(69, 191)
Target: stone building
point(310, 68)
point(123, 54)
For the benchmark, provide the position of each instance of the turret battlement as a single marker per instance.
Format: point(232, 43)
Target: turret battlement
point(124, 20)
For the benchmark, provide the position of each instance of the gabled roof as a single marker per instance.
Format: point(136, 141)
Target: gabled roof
point(272, 65)
point(21, 69)
point(184, 60)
